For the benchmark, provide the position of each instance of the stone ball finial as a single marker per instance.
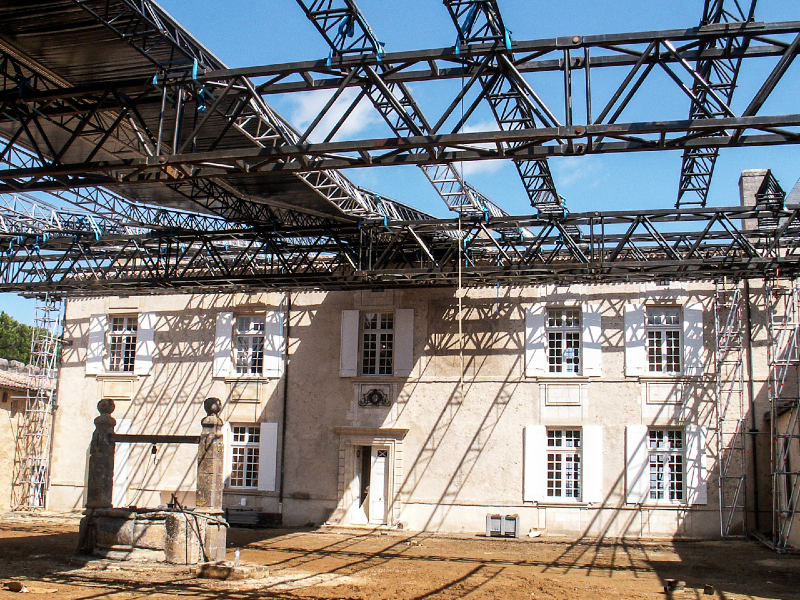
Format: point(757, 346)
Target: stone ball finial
point(212, 405)
point(106, 406)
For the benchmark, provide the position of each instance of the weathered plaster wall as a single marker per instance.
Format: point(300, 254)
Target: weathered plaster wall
point(462, 455)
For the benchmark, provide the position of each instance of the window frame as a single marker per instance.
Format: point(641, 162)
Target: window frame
point(668, 476)
point(251, 448)
point(123, 360)
point(250, 334)
point(383, 366)
point(571, 333)
point(666, 332)
point(568, 454)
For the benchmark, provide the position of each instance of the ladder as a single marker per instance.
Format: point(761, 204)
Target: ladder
point(730, 408)
point(32, 461)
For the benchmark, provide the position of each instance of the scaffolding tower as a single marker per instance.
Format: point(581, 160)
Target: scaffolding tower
point(731, 451)
point(32, 461)
point(783, 300)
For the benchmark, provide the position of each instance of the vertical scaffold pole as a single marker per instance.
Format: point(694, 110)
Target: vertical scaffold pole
point(783, 301)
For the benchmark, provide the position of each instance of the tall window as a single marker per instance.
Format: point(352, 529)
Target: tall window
point(122, 344)
point(244, 455)
point(250, 345)
point(564, 463)
point(664, 340)
point(377, 343)
point(666, 462)
point(564, 340)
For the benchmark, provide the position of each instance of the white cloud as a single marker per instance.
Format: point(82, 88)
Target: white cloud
point(309, 104)
point(586, 171)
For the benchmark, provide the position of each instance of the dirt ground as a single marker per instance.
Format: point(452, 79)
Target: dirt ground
point(309, 564)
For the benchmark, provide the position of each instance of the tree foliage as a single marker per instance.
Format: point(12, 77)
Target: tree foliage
point(15, 339)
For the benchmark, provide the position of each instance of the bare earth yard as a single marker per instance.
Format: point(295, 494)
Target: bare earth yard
point(39, 551)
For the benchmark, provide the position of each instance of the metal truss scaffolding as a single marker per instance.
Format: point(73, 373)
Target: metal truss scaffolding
point(32, 460)
point(731, 451)
point(783, 299)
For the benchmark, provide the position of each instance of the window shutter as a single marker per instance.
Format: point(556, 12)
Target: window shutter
point(535, 342)
point(267, 457)
point(145, 344)
point(696, 475)
point(226, 442)
point(592, 458)
point(96, 344)
point(592, 330)
point(348, 357)
point(223, 345)
point(635, 349)
point(693, 348)
point(637, 476)
point(273, 344)
point(534, 483)
point(403, 342)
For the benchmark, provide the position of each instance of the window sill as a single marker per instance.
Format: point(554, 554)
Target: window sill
point(244, 378)
point(564, 377)
point(563, 504)
point(120, 375)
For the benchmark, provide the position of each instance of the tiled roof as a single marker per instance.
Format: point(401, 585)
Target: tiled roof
point(14, 380)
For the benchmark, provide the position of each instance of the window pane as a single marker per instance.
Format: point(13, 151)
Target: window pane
point(673, 351)
point(555, 354)
point(377, 344)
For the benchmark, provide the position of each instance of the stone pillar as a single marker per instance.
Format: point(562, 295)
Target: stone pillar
point(210, 458)
point(100, 484)
point(210, 466)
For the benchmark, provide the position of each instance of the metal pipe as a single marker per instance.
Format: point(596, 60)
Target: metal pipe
point(288, 301)
point(751, 395)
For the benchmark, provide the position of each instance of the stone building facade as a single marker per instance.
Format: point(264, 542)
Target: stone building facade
point(585, 410)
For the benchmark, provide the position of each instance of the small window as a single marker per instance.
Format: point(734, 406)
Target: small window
point(564, 463)
point(244, 455)
point(564, 340)
point(665, 449)
point(664, 346)
point(377, 343)
point(250, 344)
point(122, 344)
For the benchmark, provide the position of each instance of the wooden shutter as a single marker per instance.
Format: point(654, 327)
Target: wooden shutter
point(635, 337)
point(273, 344)
point(227, 438)
point(96, 345)
point(592, 458)
point(696, 474)
point(534, 483)
point(693, 348)
point(145, 343)
point(403, 342)
point(535, 341)
point(268, 457)
point(348, 356)
point(592, 331)
point(637, 474)
point(223, 345)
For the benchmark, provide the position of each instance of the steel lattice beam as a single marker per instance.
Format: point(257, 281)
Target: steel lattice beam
point(718, 81)
point(347, 32)
point(614, 246)
point(513, 101)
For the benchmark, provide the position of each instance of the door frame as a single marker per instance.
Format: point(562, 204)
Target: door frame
point(349, 439)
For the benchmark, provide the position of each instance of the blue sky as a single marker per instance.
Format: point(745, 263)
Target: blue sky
point(253, 32)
